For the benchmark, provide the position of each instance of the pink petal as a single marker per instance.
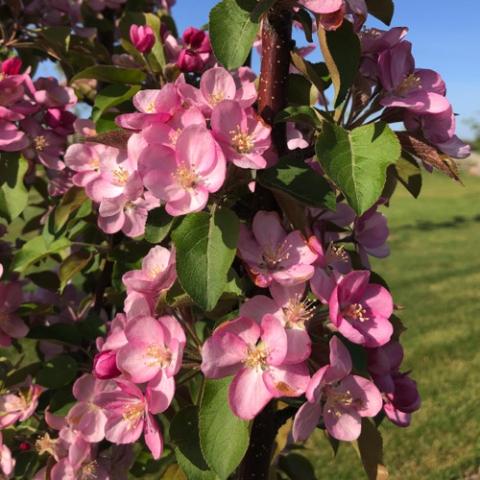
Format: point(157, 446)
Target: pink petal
point(306, 420)
point(275, 339)
point(344, 424)
point(287, 380)
point(268, 230)
point(222, 355)
point(298, 345)
point(259, 306)
point(160, 392)
point(153, 437)
point(217, 84)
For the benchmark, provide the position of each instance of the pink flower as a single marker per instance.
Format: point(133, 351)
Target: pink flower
point(142, 38)
point(60, 121)
point(157, 273)
point(127, 411)
point(196, 51)
point(272, 255)
point(322, 6)
point(20, 406)
point(153, 345)
point(11, 66)
point(84, 159)
point(153, 106)
point(7, 462)
point(242, 135)
point(11, 138)
point(255, 355)
point(50, 94)
point(86, 416)
point(289, 306)
point(421, 91)
point(128, 212)
point(11, 325)
point(184, 177)
point(360, 310)
point(338, 397)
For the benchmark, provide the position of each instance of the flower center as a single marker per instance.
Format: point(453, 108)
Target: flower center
point(89, 471)
point(336, 399)
point(94, 163)
point(157, 356)
point(40, 143)
point(132, 413)
point(256, 357)
point(241, 141)
point(120, 176)
point(272, 256)
point(46, 444)
point(186, 177)
point(297, 312)
point(150, 107)
point(410, 83)
point(216, 98)
point(355, 311)
point(336, 253)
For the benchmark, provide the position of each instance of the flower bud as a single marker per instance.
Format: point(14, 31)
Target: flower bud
point(105, 365)
point(11, 66)
point(142, 37)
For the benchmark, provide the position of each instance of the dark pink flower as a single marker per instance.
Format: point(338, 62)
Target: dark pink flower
point(196, 50)
point(11, 325)
point(11, 66)
point(142, 38)
point(105, 365)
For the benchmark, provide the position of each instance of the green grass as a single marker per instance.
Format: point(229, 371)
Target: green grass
point(434, 272)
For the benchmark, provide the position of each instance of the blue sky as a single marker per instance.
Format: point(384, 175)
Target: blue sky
point(445, 37)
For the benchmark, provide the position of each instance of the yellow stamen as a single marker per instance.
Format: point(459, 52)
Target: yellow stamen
point(40, 142)
point(241, 141)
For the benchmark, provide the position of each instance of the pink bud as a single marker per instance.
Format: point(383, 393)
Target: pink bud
point(190, 61)
point(105, 365)
point(142, 37)
point(197, 40)
point(60, 120)
point(11, 66)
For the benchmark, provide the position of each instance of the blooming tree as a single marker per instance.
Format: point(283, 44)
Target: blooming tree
point(185, 273)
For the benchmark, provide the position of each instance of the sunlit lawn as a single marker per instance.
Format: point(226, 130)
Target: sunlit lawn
point(434, 272)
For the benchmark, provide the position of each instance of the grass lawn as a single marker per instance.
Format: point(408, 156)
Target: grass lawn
point(434, 272)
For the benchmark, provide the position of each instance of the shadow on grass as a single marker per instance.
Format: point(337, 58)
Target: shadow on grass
point(429, 226)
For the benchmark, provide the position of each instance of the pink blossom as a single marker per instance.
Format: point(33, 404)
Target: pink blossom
point(255, 355)
point(272, 255)
point(7, 462)
point(241, 133)
point(11, 138)
point(19, 406)
point(360, 310)
point(196, 50)
point(322, 6)
point(105, 365)
point(157, 273)
point(11, 325)
point(154, 345)
point(84, 159)
point(294, 311)
point(128, 415)
point(184, 177)
point(421, 91)
point(153, 106)
point(11, 66)
point(86, 416)
point(339, 397)
point(128, 212)
point(60, 121)
point(142, 38)
point(49, 93)
point(374, 40)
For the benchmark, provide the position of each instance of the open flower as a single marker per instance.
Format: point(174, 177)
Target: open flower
point(17, 407)
point(242, 135)
point(255, 354)
point(339, 397)
point(272, 255)
point(127, 411)
point(360, 310)
point(184, 177)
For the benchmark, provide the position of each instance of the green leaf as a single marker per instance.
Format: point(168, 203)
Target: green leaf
point(300, 114)
point(70, 202)
point(341, 51)
point(224, 438)
point(57, 372)
point(72, 265)
point(111, 96)
point(293, 176)
point(301, 91)
point(184, 435)
point(382, 9)
point(305, 20)
point(13, 194)
point(112, 74)
point(206, 245)
point(297, 467)
point(158, 225)
point(232, 31)
point(58, 37)
point(36, 249)
point(317, 73)
point(409, 174)
point(357, 160)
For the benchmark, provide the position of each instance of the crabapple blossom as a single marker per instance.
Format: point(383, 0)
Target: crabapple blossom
point(272, 255)
point(7, 462)
point(195, 52)
point(255, 354)
point(17, 407)
point(142, 38)
point(338, 397)
point(360, 310)
point(184, 177)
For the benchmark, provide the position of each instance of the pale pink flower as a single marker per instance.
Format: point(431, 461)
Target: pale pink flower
point(292, 309)
point(142, 38)
point(255, 355)
point(241, 133)
point(339, 397)
point(7, 462)
point(184, 177)
point(84, 160)
point(360, 310)
point(157, 273)
point(272, 255)
point(128, 415)
point(153, 345)
point(11, 325)
point(19, 406)
point(86, 416)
